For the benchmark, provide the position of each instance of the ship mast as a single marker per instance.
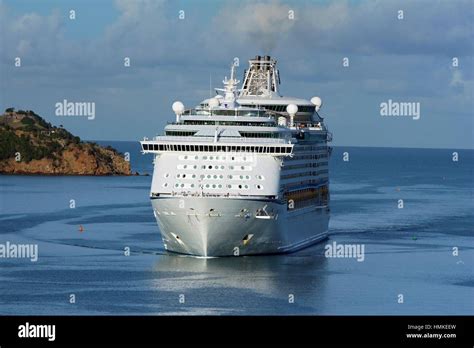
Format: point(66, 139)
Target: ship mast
point(230, 90)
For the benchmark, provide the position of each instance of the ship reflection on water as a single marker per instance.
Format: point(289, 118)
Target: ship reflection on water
point(244, 285)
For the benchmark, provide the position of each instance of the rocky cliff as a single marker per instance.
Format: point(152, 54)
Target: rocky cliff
point(30, 145)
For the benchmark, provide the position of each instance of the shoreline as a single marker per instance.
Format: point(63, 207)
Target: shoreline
point(62, 174)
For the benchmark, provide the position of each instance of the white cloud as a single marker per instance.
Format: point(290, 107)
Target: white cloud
point(262, 24)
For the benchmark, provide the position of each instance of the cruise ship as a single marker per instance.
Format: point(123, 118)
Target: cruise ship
point(244, 172)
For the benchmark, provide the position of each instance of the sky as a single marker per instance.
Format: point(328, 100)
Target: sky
point(422, 55)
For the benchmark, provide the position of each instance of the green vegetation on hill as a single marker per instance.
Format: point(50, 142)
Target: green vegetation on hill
point(30, 135)
point(10, 144)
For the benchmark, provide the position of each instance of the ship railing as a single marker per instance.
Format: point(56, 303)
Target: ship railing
point(273, 148)
point(222, 140)
point(226, 112)
point(213, 122)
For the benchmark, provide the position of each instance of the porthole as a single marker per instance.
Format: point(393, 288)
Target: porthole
point(214, 186)
point(184, 175)
point(215, 176)
point(192, 185)
point(185, 166)
point(207, 185)
point(242, 167)
point(221, 176)
point(196, 157)
point(229, 176)
point(185, 157)
point(247, 177)
point(176, 185)
point(202, 176)
point(165, 184)
point(231, 167)
point(208, 176)
point(259, 187)
point(229, 186)
point(211, 158)
point(193, 176)
point(182, 185)
point(222, 167)
point(246, 186)
point(178, 175)
point(210, 167)
point(204, 157)
point(220, 186)
point(240, 186)
point(241, 176)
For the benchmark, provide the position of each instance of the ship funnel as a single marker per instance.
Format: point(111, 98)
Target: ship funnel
point(261, 79)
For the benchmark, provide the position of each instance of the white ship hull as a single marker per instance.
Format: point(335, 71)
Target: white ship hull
point(209, 226)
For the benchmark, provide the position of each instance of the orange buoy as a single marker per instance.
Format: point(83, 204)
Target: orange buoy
point(81, 229)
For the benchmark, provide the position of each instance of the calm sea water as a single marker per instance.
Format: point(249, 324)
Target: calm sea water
point(408, 251)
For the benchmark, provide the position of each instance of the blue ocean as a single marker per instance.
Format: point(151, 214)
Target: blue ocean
point(418, 256)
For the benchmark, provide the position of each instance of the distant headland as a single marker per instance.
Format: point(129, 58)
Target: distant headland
point(30, 145)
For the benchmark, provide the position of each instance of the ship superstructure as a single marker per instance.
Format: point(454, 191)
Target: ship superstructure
point(244, 172)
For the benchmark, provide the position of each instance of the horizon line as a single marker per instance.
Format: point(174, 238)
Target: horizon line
point(370, 146)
